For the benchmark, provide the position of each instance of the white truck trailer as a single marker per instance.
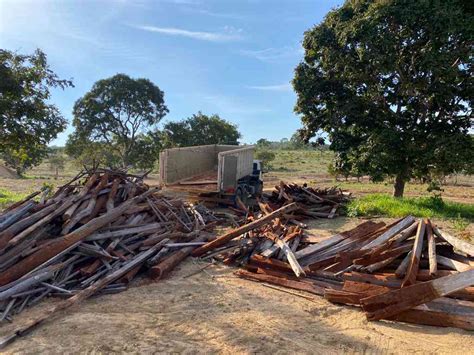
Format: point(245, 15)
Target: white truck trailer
point(222, 170)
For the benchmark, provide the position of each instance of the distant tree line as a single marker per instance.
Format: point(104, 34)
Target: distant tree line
point(115, 123)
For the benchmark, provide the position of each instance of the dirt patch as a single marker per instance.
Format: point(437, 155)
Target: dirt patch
point(213, 311)
point(7, 173)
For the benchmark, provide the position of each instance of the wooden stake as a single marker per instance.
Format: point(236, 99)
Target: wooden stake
point(394, 302)
point(412, 270)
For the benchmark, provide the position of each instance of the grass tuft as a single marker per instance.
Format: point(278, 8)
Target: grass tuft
point(8, 197)
point(384, 205)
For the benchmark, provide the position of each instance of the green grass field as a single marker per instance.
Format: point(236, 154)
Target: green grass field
point(7, 197)
point(384, 205)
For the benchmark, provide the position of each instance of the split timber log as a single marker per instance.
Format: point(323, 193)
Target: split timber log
point(403, 224)
point(392, 303)
point(431, 247)
point(169, 263)
point(443, 312)
point(14, 216)
point(90, 205)
point(295, 266)
point(245, 228)
point(315, 248)
point(457, 243)
point(113, 192)
point(425, 314)
point(57, 212)
point(452, 264)
point(296, 285)
point(60, 244)
point(11, 231)
point(414, 263)
point(84, 294)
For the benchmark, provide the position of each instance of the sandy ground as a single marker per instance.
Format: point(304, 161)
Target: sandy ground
point(214, 312)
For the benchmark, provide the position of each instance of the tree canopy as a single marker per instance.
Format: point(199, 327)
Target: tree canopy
point(28, 121)
point(200, 129)
point(118, 112)
point(391, 83)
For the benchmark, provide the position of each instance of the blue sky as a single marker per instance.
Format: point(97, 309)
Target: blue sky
point(231, 57)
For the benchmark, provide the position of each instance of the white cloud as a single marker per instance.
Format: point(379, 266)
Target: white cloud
point(279, 87)
point(229, 33)
point(220, 14)
point(273, 54)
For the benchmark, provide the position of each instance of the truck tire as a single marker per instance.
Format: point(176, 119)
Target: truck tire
point(241, 193)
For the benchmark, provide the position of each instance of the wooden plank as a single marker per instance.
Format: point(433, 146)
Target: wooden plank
point(295, 266)
point(402, 268)
point(426, 316)
point(274, 280)
point(452, 264)
point(457, 243)
point(403, 224)
point(412, 269)
point(243, 229)
point(431, 247)
point(397, 301)
point(313, 249)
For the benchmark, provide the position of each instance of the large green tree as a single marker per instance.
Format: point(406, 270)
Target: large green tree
point(118, 113)
point(28, 121)
point(200, 129)
point(391, 83)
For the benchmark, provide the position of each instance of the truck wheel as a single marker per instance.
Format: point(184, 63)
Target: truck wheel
point(241, 194)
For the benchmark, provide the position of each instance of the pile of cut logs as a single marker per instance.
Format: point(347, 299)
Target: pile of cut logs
point(94, 235)
point(312, 202)
point(408, 271)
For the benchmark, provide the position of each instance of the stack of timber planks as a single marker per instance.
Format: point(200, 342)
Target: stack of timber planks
point(93, 236)
point(408, 271)
point(312, 202)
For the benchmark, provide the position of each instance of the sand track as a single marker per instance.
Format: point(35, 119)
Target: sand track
point(203, 314)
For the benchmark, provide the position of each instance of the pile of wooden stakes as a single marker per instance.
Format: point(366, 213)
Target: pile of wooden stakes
point(91, 237)
point(312, 202)
point(408, 271)
point(95, 236)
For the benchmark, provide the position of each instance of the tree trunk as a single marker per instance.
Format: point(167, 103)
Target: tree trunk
point(399, 186)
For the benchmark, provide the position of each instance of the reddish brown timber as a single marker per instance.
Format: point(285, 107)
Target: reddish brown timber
point(82, 295)
point(403, 224)
point(272, 264)
point(245, 228)
point(169, 263)
point(343, 297)
point(295, 266)
point(397, 301)
point(457, 243)
point(423, 314)
point(414, 263)
point(62, 243)
point(297, 285)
